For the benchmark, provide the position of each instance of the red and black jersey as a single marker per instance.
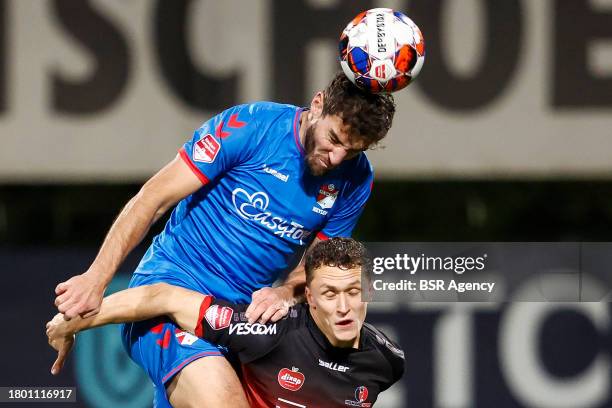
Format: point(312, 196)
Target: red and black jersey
point(291, 363)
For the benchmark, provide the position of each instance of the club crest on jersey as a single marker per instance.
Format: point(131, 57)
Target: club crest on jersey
point(361, 395)
point(327, 196)
point(325, 199)
point(219, 317)
point(291, 380)
point(206, 149)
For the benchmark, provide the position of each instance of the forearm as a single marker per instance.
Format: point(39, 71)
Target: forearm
point(142, 303)
point(295, 283)
point(127, 231)
point(128, 305)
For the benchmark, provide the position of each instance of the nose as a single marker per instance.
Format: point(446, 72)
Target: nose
point(343, 305)
point(337, 155)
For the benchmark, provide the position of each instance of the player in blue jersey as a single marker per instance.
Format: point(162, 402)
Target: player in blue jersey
point(255, 186)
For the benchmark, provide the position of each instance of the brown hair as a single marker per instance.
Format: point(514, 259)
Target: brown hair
point(368, 116)
point(345, 253)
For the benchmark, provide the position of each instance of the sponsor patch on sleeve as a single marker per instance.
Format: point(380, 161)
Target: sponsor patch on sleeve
point(206, 149)
point(219, 317)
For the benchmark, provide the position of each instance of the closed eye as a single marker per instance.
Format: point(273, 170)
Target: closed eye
point(333, 137)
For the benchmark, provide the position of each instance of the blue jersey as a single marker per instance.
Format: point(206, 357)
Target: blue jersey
point(259, 207)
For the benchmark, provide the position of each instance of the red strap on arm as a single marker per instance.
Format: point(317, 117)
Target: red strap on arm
point(199, 330)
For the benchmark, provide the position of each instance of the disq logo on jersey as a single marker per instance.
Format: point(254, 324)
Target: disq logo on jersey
point(291, 380)
point(219, 317)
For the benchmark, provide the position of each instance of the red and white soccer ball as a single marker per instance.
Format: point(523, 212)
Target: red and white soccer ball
point(381, 50)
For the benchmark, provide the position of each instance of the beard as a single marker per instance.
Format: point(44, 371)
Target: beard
point(314, 165)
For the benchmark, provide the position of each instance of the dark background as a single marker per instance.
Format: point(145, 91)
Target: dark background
point(67, 215)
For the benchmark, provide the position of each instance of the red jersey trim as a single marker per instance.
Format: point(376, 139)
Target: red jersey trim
point(322, 236)
point(296, 133)
point(199, 330)
point(201, 176)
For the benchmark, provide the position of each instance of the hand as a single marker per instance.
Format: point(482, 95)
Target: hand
point(61, 338)
point(269, 304)
point(80, 295)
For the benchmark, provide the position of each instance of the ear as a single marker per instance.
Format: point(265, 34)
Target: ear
point(309, 297)
point(316, 105)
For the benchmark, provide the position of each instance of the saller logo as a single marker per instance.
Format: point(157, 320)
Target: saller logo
point(333, 366)
point(248, 328)
point(219, 317)
point(291, 380)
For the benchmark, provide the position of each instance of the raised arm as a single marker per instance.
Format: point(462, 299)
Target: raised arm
point(141, 303)
point(82, 294)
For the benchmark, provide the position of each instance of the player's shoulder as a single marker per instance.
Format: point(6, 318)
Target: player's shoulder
point(268, 111)
point(297, 316)
point(259, 110)
point(389, 351)
point(362, 164)
point(358, 172)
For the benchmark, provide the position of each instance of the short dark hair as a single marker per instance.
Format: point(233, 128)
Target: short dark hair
point(345, 253)
point(368, 116)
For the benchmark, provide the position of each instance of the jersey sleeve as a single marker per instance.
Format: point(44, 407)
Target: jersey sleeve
point(225, 324)
point(350, 205)
point(221, 143)
point(391, 353)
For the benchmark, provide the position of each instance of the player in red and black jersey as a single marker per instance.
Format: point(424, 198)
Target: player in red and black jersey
point(321, 355)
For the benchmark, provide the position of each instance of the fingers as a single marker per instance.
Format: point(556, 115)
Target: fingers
point(273, 311)
point(267, 314)
point(61, 299)
point(64, 307)
point(59, 361)
point(257, 309)
point(61, 288)
point(280, 313)
point(74, 307)
point(74, 311)
point(266, 305)
point(90, 313)
point(66, 300)
point(256, 299)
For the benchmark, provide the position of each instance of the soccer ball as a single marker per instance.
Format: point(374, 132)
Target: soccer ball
point(381, 50)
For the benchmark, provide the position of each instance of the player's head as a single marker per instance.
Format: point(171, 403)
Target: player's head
point(342, 122)
point(333, 289)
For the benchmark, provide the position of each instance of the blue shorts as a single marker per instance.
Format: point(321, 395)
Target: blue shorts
point(161, 348)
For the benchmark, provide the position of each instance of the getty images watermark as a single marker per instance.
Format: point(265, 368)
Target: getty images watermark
point(488, 271)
